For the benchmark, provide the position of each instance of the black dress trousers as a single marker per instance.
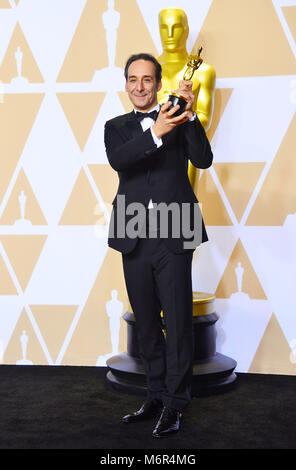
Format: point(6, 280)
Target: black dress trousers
point(158, 279)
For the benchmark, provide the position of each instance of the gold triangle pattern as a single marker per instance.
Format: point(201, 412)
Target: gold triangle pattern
point(222, 96)
point(213, 209)
point(24, 346)
point(94, 318)
point(54, 322)
point(7, 286)
point(19, 65)
point(4, 4)
point(89, 37)
point(17, 115)
point(229, 283)
point(238, 180)
point(276, 198)
point(23, 252)
point(290, 15)
point(82, 206)
point(242, 57)
point(22, 206)
point(273, 353)
point(126, 44)
point(81, 110)
point(106, 180)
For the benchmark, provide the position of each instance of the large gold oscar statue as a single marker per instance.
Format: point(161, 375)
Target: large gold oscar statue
point(174, 30)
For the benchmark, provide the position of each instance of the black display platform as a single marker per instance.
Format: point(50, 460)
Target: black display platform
point(212, 372)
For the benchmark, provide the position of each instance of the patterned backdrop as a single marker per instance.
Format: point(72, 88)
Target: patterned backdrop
point(62, 291)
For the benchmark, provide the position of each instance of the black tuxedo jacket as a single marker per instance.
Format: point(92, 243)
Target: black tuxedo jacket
point(146, 172)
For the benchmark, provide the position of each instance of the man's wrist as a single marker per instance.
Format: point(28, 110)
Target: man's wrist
point(192, 115)
point(157, 140)
point(155, 131)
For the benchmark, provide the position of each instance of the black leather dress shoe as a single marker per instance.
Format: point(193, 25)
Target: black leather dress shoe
point(149, 409)
point(168, 423)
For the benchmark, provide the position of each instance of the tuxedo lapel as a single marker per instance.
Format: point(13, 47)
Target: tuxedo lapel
point(133, 125)
point(129, 126)
point(135, 128)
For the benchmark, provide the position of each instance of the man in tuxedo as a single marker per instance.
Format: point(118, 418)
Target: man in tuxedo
point(150, 148)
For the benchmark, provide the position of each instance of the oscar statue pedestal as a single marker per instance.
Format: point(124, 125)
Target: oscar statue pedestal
point(212, 372)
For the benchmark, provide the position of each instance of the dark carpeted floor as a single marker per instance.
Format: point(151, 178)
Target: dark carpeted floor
point(75, 408)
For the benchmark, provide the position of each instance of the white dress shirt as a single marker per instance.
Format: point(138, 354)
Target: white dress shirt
point(147, 123)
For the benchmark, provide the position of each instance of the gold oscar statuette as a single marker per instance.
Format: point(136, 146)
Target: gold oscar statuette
point(194, 62)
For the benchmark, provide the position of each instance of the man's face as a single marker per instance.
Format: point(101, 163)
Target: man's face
point(141, 85)
point(173, 29)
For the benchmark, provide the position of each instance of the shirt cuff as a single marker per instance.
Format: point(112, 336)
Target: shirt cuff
point(193, 117)
point(157, 141)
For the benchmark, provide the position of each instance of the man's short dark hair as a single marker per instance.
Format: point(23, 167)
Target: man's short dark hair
point(144, 56)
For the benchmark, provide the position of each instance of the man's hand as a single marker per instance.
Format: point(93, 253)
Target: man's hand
point(165, 123)
point(185, 90)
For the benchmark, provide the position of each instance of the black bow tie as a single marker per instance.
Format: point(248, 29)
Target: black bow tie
point(152, 114)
